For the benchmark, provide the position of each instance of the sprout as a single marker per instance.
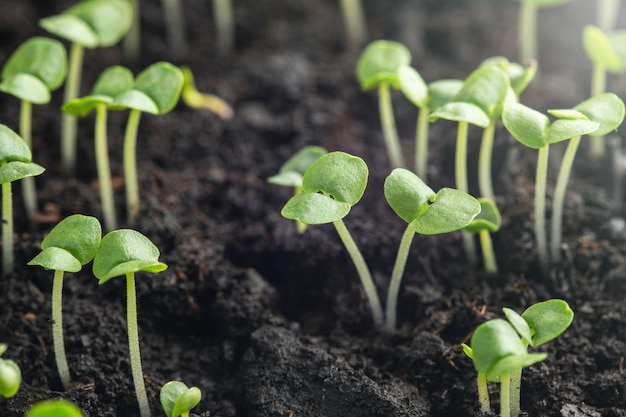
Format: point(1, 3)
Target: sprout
point(175, 23)
point(88, 24)
point(427, 213)
point(15, 164)
point(197, 100)
point(71, 244)
point(378, 67)
point(35, 69)
point(292, 171)
point(488, 221)
point(124, 252)
point(224, 24)
point(608, 10)
point(528, 26)
point(10, 375)
point(331, 186)
point(354, 18)
point(56, 408)
point(177, 399)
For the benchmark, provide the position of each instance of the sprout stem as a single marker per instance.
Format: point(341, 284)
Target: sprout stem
point(421, 144)
point(527, 31)
point(486, 245)
point(28, 183)
point(396, 279)
point(132, 41)
point(516, 382)
point(484, 162)
point(57, 329)
point(133, 346)
point(460, 174)
point(68, 126)
point(224, 24)
point(540, 207)
point(390, 133)
point(505, 395)
point(7, 228)
point(363, 271)
point(607, 14)
point(130, 166)
point(354, 18)
point(300, 226)
point(104, 171)
point(173, 14)
point(597, 147)
point(483, 392)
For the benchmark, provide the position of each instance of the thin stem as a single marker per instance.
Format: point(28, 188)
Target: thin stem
point(527, 31)
point(421, 143)
point(132, 41)
point(173, 13)
point(133, 346)
point(57, 329)
point(607, 14)
point(486, 245)
point(396, 278)
point(300, 226)
point(224, 24)
point(597, 147)
point(29, 193)
point(516, 384)
point(485, 184)
point(68, 126)
point(559, 198)
point(388, 122)
point(505, 395)
point(363, 271)
point(354, 18)
point(104, 171)
point(130, 166)
point(483, 392)
point(7, 228)
point(460, 175)
point(540, 208)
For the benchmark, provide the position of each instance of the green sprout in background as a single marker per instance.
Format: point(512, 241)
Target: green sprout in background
point(224, 25)
point(71, 244)
point(177, 399)
point(197, 100)
point(175, 23)
point(608, 11)
point(378, 67)
point(427, 213)
point(125, 252)
point(88, 24)
point(15, 164)
point(31, 73)
point(354, 18)
point(54, 408)
point(10, 375)
point(488, 221)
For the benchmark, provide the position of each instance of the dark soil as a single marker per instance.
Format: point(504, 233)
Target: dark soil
point(268, 322)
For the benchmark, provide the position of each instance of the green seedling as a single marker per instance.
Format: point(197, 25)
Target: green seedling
point(10, 375)
point(125, 252)
point(607, 53)
point(15, 164)
point(175, 23)
point(608, 111)
point(331, 186)
point(112, 82)
point(427, 213)
point(224, 25)
point(538, 324)
point(292, 171)
point(177, 399)
point(528, 26)
point(88, 24)
point(354, 18)
point(71, 244)
point(378, 67)
point(31, 73)
point(535, 130)
point(488, 221)
point(156, 91)
point(197, 100)
point(54, 408)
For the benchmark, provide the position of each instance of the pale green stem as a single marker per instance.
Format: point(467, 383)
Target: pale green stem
point(68, 126)
point(363, 271)
point(483, 392)
point(174, 21)
point(516, 385)
point(130, 166)
point(224, 24)
point(607, 14)
point(460, 175)
point(597, 147)
point(29, 193)
point(354, 19)
point(396, 279)
point(132, 41)
point(527, 31)
point(421, 143)
point(7, 228)
point(485, 184)
point(505, 395)
point(300, 226)
point(57, 329)
point(388, 122)
point(491, 266)
point(104, 171)
point(133, 346)
point(540, 208)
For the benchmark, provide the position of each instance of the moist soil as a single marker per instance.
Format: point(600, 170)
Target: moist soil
point(270, 322)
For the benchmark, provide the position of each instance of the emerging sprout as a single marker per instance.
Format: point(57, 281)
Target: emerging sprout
point(488, 221)
point(125, 252)
point(378, 67)
point(15, 164)
point(56, 408)
point(354, 18)
point(528, 26)
point(71, 244)
point(10, 375)
point(197, 100)
point(177, 399)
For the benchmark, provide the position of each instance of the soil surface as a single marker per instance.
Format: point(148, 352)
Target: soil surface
point(269, 322)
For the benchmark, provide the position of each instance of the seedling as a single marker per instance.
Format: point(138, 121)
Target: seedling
point(35, 69)
point(427, 213)
point(608, 10)
point(488, 221)
point(378, 67)
point(56, 408)
point(15, 164)
point(224, 24)
point(354, 18)
point(71, 244)
point(528, 26)
point(197, 100)
point(125, 252)
point(88, 24)
point(110, 83)
point(330, 187)
point(10, 375)
point(292, 171)
point(177, 399)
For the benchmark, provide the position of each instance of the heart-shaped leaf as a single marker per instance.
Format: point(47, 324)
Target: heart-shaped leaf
point(379, 63)
point(340, 176)
point(607, 109)
point(547, 320)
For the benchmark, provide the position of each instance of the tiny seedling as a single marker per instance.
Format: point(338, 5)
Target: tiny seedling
point(125, 252)
point(488, 221)
point(427, 213)
point(54, 408)
point(224, 24)
point(177, 399)
point(354, 18)
point(330, 187)
point(31, 73)
point(15, 164)
point(292, 171)
point(528, 26)
point(10, 375)
point(378, 67)
point(197, 100)
point(88, 24)
point(71, 244)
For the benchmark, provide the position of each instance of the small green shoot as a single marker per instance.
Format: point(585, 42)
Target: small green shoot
point(354, 18)
point(177, 399)
point(528, 26)
point(378, 67)
point(608, 11)
point(175, 23)
point(54, 408)
point(125, 252)
point(331, 186)
point(488, 221)
point(197, 100)
point(71, 244)
point(224, 25)
point(10, 375)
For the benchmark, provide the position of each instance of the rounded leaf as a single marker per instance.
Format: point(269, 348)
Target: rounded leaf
point(26, 87)
point(84, 105)
point(16, 170)
point(449, 210)
point(488, 219)
point(137, 100)
point(113, 81)
point(10, 378)
point(286, 179)
point(413, 86)
point(109, 20)
point(379, 63)
point(547, 320)
point(440, 92)
point(339, 175)
point(56, 259)
point(12, 146)
point(607, 109)
point(526, 125)
point(125, 251)
point(162, 82)
point(314, 208)
point(461, 112)
point(40, 57)
point(71, 28)
point(519, 324)
point(79, 235)
point(292, 171)
point(406, 193)
point(510, 363)
point(486, 88)
point(56, 408)
point(176, 398)
point(493, 341)
point(602, 50)
point(565, 129)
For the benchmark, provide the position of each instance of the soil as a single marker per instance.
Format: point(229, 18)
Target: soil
point(268, 322)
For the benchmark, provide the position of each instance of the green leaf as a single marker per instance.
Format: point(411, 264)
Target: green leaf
point(485, 88)
point(71, 28)
point(338, 175)
point(10, 378)
point(546, 3)
point(461, 112)
point(12, 146)
point(379, 63)
point(16, 170)
point(176, 398)
point(406, 193)
point(493, 341)
point(413, 86)
point(526, 125)
point(84, 105)
point(138, 100)
point(54, 408)
point(448, 211)
point(56, 259)
point(510, 363)
point(605, 50)
point(468, 351)
point(125, 251)
point(314, 208)
point(488, 219)
point(564, 129)
point(109, 19)
point(161, 83)
point(79, 235)
point(519, 324)
point(547, 320)
point(440, 92)
point(286, 179)
point(26, 87)
point(292, 171)
point(607, 109)
point(113, 81)
point(519, 77)
point(570, 114)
